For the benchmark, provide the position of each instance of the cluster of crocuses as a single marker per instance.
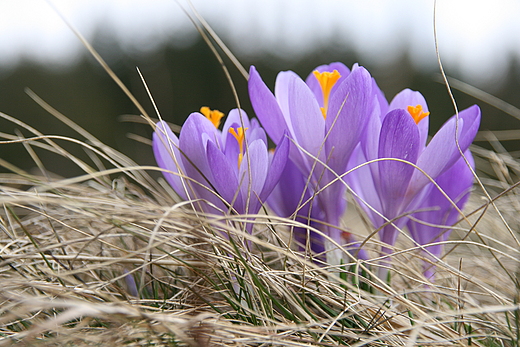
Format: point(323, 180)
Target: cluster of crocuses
point(333, 132)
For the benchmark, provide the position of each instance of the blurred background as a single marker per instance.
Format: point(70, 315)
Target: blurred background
point(479, 43)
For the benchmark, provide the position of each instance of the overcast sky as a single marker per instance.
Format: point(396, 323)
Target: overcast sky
point(476, 36)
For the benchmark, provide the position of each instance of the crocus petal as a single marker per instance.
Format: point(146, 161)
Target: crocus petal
point(362, 182)
point(195, 129)
point(332, 197)
point(276, 167)
point(306, 118)
point(266, 107)
point(442, 145)
point(224, 178)
point(407, 98)
point(388, 234)
point(287, 195)
point(442, 151)
point(458, 189)
point(168, 156)
point(232, 150)
point(236, 118)
point(471, 117)
point(254, 123)
point(282, 94)
point(196, 132)
point(399, 139)
point(256, 134)
point(370, 137)
point(349, 109)
point(314, 85)
point(291, 195)
point(253, 173)
point(444, 212)
point(430, 213)
point(437, 156)
point(456, 183)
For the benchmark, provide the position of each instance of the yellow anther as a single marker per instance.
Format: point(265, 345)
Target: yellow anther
point(327, 80)
point(213, 115)
point(417, 113)
point(239, 136)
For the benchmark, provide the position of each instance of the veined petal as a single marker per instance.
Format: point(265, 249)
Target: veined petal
point(235, 118)
point(283, 81)
point(399, 139)
point(440, 153)
point(254, 169)
point(266, 107)
point(224, 178)
point(363, 182)
point(314, 85)
point(232, 151)
point(276, 167)
point(259, 164)
point(282, 94)
point(456, 183)
point(291, 195)
point(167, 154)
point(457, 189)
point(370, 137)
point(196, 133)
point(306, 118)
point(431, 213)
point(471, 117)
point(407, 98)
point(285, 197)
point(349, 111)
point(331, 200)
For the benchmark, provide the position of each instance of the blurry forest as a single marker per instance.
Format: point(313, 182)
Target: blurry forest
point(181, 81)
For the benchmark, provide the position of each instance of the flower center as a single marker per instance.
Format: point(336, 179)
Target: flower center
point(213, 115)
point(417, 113)
point(239, 136)
point(327, 80)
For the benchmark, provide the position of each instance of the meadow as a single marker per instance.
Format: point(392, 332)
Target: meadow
point(117, 257)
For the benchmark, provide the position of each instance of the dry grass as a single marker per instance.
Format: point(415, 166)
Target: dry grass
point(112, 257)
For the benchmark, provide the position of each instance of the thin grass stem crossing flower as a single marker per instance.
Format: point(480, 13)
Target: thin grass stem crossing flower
point(394, 186)
point(325, 117)
point(440, 208)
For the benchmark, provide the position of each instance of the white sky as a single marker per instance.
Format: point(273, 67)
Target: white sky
point(476, 36)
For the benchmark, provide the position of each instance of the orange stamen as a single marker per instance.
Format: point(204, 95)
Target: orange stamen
point(327, 80)
point(417, 113)
point(213, 115)
point(239, 136)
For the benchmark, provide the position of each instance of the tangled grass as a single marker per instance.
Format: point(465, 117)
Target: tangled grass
point(113, 257)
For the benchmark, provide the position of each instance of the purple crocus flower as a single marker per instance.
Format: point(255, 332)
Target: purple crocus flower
point(325, 118)
point(290, 198)
point(226, 170)
point(437, 212)
point(389, 189)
